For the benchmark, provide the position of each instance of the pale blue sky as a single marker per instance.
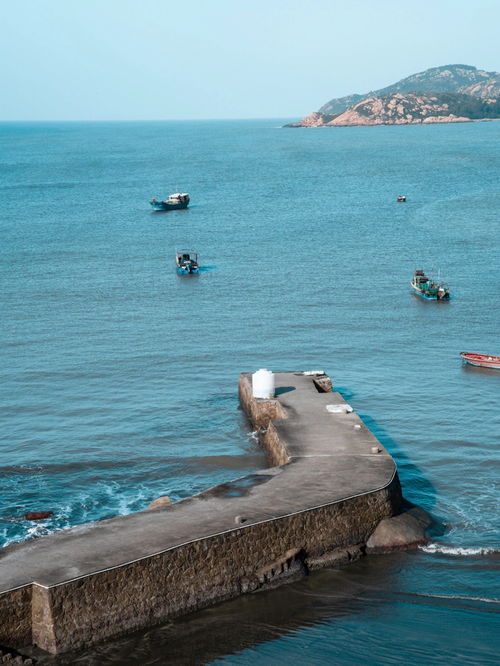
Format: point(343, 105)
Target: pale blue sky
point(160, 59)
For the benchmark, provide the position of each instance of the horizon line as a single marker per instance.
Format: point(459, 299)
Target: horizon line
point(139, 120)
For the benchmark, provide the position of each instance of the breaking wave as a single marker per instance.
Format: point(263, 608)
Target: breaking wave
point(458, 551)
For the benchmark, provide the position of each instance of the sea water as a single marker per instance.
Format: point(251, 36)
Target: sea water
point(119, 377)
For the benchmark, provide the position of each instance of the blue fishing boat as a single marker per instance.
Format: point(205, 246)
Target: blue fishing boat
point(175, 201)
point(187, 262)
point(428, 289)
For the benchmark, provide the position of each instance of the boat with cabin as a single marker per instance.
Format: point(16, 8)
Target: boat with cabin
point(176, 201)
point(481, 360)
point(187, 262)
point(427, 288)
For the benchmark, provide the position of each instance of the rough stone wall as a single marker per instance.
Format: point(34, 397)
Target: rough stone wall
point(15, 616)
point(276, 452)
point(42, 618)
point(261, 413)
point(193, 576)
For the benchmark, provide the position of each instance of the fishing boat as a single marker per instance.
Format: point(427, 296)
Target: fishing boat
point(401, 198)
point(481, 360)
point(175, 201)
point(429, 289)
point(187, 262)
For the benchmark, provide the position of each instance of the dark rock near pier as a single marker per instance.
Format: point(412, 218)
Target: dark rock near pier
point(38, 515)
point(159, 501)
point(401, 532)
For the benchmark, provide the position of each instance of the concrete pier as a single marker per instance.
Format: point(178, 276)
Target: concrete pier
point(330, 485)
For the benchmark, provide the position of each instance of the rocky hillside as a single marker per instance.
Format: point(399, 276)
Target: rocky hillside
point(399, 109)
point(451, 93)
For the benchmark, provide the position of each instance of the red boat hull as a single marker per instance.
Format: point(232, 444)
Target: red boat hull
point(482, 360)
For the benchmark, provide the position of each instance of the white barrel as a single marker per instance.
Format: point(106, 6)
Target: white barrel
point(263, 384)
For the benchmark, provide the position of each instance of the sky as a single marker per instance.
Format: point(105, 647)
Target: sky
point(204, 59)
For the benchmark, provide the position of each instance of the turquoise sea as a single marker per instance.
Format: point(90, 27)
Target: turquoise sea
point(119, 377)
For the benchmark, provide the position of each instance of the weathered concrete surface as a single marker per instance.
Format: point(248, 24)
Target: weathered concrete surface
point(318, 507)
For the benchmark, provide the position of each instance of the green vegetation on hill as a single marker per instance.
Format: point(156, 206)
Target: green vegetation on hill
point(447, 78)
point(449, 93)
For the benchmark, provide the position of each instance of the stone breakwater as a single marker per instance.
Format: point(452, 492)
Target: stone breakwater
point(331, 486)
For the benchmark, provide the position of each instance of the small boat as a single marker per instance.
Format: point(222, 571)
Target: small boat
point(429, 289)
point(401, 199)
point(175, 201)
point(187, 262)
point(481, 360)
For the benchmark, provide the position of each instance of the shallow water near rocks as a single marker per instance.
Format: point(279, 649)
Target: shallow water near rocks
point(119, 377)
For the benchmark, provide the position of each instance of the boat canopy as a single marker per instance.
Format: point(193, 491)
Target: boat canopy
point(187, 254)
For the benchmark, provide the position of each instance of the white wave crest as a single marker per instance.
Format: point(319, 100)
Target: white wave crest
point(459, 551)
point(255, 435)
point(33, 532)
point(460, 597)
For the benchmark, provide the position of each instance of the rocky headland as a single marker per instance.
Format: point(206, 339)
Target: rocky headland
point(451, 93)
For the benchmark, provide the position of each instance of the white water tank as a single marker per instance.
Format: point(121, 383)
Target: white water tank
point(263, 384)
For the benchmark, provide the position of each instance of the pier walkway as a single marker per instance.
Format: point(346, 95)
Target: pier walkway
point(56, 590)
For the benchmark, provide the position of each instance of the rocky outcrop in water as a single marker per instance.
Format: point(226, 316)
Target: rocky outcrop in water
point(452, 93)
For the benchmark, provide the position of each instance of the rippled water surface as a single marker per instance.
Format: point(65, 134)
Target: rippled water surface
point(119, 378)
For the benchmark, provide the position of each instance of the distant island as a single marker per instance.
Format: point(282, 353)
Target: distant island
point(447, 94)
